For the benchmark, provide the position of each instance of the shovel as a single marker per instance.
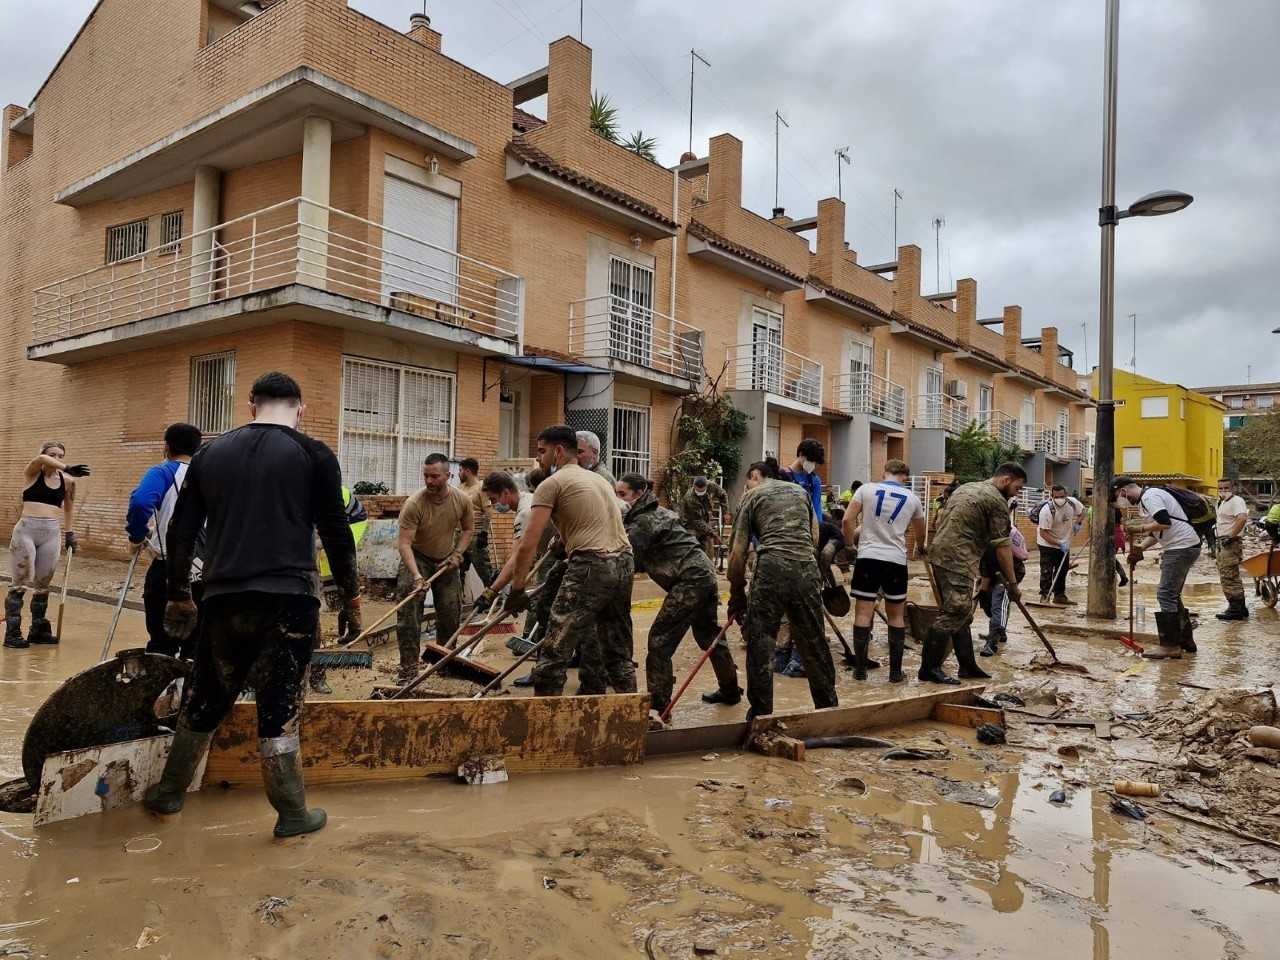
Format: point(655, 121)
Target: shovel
point(115, 617)
point(1035, 627)
point(62, 604)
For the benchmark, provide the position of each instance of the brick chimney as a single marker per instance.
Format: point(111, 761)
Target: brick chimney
point(1012, 333)
point(420, 30)
point(569, 87)
point(725, 169)
point(906, 280)
point(1049, 351)
point(966, 309)
point(831, 246)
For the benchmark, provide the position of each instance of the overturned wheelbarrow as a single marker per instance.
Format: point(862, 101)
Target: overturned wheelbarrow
point(920, 620)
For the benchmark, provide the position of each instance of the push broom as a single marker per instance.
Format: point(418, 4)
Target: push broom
point(342, 656)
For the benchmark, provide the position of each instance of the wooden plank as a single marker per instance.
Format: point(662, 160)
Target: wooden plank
point(460, 666)
point(834, 721)
point(776, 745)
point(714, 736)
point(1075, 630)
point(972, 717)
point(358, 741)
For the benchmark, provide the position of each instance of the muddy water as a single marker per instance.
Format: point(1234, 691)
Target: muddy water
point(686, 849)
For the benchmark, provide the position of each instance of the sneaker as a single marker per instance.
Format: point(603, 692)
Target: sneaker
point(793, 669)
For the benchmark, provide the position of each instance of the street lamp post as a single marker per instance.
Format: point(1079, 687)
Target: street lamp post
point(1102, 584)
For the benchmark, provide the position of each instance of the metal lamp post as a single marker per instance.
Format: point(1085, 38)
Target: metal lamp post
point(1102, 584)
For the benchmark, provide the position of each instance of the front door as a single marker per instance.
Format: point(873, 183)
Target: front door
point(630, 312)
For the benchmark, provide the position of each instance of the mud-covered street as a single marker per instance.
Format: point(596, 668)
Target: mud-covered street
point(845, 855)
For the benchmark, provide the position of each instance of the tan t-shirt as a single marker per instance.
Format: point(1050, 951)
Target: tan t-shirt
point(584, 509)
point(435, 526)
point(479, 503)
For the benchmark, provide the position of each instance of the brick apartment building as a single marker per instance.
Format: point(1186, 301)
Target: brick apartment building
point(1243, 402)
point(294, 185)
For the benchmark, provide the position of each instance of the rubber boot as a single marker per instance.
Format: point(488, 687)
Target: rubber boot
point(1169, 628)
point(525, 681)
point(969, 669)
point(728, 692)
point(13, 621)
point(1186, 631)
point(188, 747)
point(935, 652)
point(897, 645)
point(1063, 600)
point(658, 704)
point(282, 776)
point(1236, 610)
point(729, 697)
point(41, 628)
point(994, 637)
point(861, 643)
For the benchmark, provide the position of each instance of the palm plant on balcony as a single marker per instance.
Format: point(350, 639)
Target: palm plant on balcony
point(642, 146)
point(974, 454)
point(604, 117)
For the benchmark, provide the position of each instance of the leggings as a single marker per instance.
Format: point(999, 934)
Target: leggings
point(33, 551)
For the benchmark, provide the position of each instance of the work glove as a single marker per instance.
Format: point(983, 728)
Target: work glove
point(350, 618)
point(79, 470)
point(1013, 591)
point(517, 601)
point(180, 617)
point(1135, 527)
point(454, 560)
point(485, 600)
point(70, 541)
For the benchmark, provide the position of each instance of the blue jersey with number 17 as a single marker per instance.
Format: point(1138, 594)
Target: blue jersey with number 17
point(888, 508)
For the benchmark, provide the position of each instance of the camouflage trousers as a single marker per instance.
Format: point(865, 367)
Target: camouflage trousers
point(477, 556)
point(447, 595)
point(691, 603)
point(1230, 556)
point(790, 588)
point(957, 594)
point(591, 674)
point(593, 603)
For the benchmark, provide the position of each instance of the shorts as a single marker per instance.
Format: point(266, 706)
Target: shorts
point(873, 577)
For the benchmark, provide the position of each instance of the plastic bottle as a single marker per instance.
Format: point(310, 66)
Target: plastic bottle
point(1142, 614)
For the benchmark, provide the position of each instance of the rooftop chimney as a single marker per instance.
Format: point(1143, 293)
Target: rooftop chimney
point(906, 280)
point(725, 169)
point(1012, 326)
point(420, 30)
point(830, 241)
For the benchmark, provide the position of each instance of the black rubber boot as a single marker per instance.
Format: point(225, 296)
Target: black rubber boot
point(1169, 628)
point(1063, 600)
point(1236, 610)
point(992, 639)
point(657, 705)
point(728, 697)
point(41, 628)
point(1186, 631)
point(188, 747)
point(525, 681)
point(969, 669)
point(13, 621)
point(861, 643)
point(282, 776)
point(935, 652)
point(897, 645)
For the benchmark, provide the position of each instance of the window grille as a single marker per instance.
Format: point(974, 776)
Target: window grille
point(630, 447)
point(213, 390)
point(170, 231)
point(126, 241)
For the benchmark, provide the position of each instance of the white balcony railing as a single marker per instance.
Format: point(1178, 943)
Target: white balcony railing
point(773, 368)
point(864, 392)
point(615, 328)
point(1001, 426)
point(294, 242)
point(937, 411)
point(1048, 441)
point(1080, 447)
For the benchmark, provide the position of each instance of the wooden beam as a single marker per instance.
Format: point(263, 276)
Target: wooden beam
point(776, 745)
point(460, 666)
point(972, 717)
point(358, 741)
point(1075, 630)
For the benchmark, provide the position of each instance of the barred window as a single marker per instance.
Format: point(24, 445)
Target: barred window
point(126, 241)
point(170, 231)
point(630, 446)
point(213, 390)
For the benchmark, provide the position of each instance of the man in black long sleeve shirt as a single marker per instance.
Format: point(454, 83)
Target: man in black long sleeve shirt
point(261, 492)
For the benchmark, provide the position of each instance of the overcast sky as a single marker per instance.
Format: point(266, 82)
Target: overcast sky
point(985, 114)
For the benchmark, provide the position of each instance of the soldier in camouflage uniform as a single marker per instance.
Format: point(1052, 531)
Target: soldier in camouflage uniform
point(975, 518)
point(697, 512)
point(669, 554)
point(780, 517)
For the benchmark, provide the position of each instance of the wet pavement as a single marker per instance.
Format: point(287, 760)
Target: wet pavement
point(846, 855)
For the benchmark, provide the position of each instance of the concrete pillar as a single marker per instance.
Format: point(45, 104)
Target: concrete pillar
point(928, 450)
point(313, 216)
point(752, 403)
point(205, 204)
point(850, 451)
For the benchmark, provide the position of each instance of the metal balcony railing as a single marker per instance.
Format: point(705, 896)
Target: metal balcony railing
point(1080, 447)
point(865, 392)
point(937, 411)
point(1000, 425)
point(1048, 441)
point(613, 327)
point(773, 368)
point(296, 241)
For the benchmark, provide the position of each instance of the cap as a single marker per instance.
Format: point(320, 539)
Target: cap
point(699, 482)
point(1122, 481)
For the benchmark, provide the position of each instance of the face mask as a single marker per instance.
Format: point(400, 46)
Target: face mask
point(501, 508)
point(700, 493)
point(624, 506)
point(1059, 502)
point(808, 466)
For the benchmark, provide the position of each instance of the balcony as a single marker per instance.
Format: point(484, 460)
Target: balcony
point(1080, 447)
point(791, 380)
point(296, 260)
point(937, 411)
point(636, 342)
point(1001, 426)
point(1045, 440)
point(884, 401)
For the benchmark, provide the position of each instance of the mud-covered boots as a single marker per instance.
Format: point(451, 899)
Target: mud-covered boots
point(41, 628)
point(861, 644)
point(1236, 610)
point(13, 621)
point(897, 645)
point(936, 647)
point(1186, 631)
point(969, 669)
point(1169, 629)
point(188, 747)
point(282, 776)
point(995, 636)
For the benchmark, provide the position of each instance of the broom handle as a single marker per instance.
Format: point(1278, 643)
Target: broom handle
point(706, 655)
point(497, 681)
point(839, 636)
point(453, 654)
point(1035, 627)
point(396, 609)
point(62, 604)
point(115, 617)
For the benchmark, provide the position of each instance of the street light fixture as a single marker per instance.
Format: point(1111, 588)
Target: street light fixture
point(1102, 583)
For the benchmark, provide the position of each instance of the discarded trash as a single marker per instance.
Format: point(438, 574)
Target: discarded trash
point(1069, 750)
point(970, 793)
point(846, 742)
point(1058, 796)
point(776, 803)
point(852, 786)
point(915, 753)
point(1008, 698)
point(1264, 736)
point(1195, 764)
point(270, 908)
point(1273, 882)
point(711, 756)
point(1137, 788)
point(142, 845)
point(548, 883)
point(146, 938)
point(1127, 808)
point(990, 734)
point(74, 880)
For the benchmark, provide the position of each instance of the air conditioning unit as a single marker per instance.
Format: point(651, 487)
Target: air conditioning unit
point(958, 389)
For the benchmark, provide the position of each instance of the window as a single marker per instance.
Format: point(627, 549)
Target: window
point(392, 417)
point(986, 400)
point(1237, 403)
point(1267, 401)
point(419, 245)
point(1028, 423)
point(1235, 423)
point(1182, 408)
point(630, 312)
point(126, 241)
point(1064, 426)
point(213, 390)
point(630, 453)
point(1131, 460)
point(170, 231)
point(1153, 407)
point(772, 435)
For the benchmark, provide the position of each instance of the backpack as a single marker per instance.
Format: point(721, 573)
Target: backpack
point(1200, 512)
point(1033, 512)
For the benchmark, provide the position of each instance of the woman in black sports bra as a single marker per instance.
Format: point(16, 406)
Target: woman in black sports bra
point(48, 507)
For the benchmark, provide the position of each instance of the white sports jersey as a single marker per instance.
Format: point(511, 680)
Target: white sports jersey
point(888, 508)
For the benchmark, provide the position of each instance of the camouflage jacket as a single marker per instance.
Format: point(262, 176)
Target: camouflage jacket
point(779, 515)
point(663, 548)
point(976, 517)
point(697, 513)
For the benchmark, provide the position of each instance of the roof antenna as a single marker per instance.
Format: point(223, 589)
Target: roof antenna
point(777, 119)
point(842, 157)
point(693, 55)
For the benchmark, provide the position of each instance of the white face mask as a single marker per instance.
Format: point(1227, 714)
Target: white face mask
point(1059, 502)
point(808, 466)
point(624, 506)
point(700, 493)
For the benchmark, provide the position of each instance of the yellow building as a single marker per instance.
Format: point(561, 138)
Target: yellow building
point(1166, 433)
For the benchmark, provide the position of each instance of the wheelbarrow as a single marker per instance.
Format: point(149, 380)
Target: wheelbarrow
point(1265, 570)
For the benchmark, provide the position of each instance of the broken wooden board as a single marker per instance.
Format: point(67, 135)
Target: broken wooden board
point(964, 716)
point(801, 725)
point(459, 666)
point(96, 779)
point(1076, 630)
point(358, 741)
